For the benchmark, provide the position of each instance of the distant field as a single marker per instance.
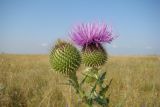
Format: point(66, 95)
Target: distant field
point(28, 81)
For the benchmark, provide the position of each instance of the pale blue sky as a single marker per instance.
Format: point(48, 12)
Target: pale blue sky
point(32, 26)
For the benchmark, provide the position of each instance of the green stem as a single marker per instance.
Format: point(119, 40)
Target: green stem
point(77, 86)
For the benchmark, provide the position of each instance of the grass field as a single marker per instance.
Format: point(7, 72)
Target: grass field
point(28, 81)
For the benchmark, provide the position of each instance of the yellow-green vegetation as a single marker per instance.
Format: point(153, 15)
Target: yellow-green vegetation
point(28, 81)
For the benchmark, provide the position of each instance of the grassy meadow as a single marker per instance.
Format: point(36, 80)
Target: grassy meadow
point(28, 81)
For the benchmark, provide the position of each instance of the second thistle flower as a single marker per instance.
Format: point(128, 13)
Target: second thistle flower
point(91, 36)
point(65, 58)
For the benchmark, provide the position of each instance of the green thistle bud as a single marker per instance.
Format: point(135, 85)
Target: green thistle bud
point(94, 55)
point(65, 58)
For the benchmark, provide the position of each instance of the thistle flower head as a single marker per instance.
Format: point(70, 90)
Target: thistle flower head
point(91, 33)
point(65, 58)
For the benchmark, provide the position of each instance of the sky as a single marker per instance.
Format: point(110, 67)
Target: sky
point(33, 26)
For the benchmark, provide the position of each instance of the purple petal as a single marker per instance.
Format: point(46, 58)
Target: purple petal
point(91, 33)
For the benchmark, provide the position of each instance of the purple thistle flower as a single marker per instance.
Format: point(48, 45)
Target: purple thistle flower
point(91, 33)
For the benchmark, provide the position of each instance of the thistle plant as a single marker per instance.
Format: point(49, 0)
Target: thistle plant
point(66, 59)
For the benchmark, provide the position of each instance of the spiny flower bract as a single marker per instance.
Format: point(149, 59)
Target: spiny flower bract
point(94, 56)
point(65, 58)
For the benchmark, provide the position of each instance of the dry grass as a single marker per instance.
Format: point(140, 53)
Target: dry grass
point(27, 81)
